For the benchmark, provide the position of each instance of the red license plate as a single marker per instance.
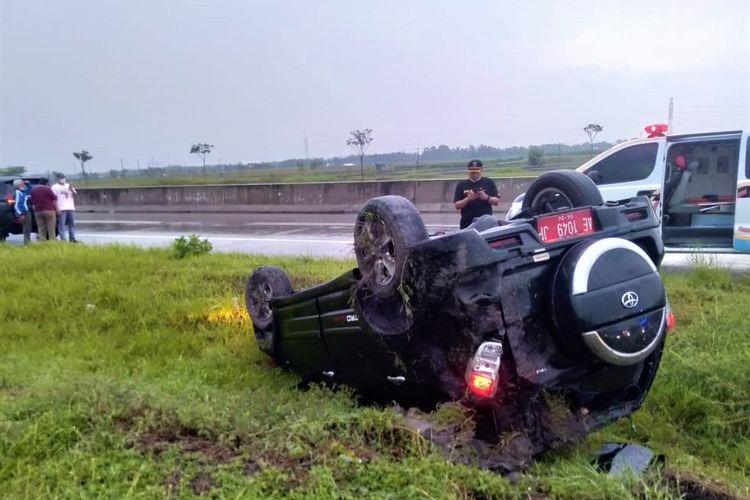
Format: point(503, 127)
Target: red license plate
point(566, 225)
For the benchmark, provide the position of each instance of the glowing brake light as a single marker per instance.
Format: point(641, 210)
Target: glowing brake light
point(483, 369)
point(670, 320)
point(657, 129)
point(481, 385)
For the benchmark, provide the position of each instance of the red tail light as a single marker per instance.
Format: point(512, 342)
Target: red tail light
point(482, 373)
point(9, 199)
point(482, 385)
point(670, 320)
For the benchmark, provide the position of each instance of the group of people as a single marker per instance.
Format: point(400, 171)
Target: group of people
point(54, 207)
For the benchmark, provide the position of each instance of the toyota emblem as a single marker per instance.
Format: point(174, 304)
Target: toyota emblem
point(629, 299)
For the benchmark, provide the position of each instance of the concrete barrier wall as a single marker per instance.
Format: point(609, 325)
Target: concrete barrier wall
point(427, 195)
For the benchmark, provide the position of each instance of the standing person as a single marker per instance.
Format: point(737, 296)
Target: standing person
point(21, 208)
point(44, 201)
point(476, 195)
point(65, 208)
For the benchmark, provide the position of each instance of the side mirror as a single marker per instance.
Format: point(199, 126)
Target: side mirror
point(595, 176)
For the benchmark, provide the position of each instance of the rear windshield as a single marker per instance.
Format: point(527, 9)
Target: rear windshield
point(631, 164)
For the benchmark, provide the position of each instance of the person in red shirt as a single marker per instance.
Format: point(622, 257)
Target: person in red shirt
point(44, 202)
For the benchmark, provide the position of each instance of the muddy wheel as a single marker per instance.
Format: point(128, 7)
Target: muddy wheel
point(386, 229)
point(561, 190)
point(265, 283)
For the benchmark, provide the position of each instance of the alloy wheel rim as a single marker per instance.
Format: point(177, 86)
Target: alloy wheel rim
point(550, 200)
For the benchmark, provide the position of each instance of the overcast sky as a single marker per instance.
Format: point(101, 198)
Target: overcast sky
point(144, 80)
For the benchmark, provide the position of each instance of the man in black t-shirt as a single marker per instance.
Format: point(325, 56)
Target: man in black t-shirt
point(476, 195)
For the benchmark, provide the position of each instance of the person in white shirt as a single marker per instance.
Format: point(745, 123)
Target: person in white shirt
point(66, 209)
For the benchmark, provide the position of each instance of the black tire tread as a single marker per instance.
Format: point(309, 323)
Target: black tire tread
point(281, 286)
point(405, 226)
point(579, 188)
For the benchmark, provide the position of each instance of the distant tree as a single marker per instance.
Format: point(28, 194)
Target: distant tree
point(315, 164)
point(300, 165)
point(360, 140)
point(202, 149)
point(592, 130)
point(114, 173)
point(536, 156)
point(83, 156)
point(12, 170)
point(56, 174)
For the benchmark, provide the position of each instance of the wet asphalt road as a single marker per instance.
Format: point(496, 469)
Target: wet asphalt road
point(310, 234)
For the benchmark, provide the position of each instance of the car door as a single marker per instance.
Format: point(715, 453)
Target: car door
point(629, 170)
point(359, 358)
point(741, 242)
point(300, 344)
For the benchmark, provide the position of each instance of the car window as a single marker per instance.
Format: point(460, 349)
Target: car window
point(631, 164)
point(747, 159)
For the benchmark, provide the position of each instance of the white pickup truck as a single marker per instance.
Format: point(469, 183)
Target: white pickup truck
point(699, 184)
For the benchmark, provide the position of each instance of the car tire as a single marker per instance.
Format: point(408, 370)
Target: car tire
point(386, 229)
point(559, 190)
point(264, 284)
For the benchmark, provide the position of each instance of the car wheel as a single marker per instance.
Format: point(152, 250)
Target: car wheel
point(561, 190)
point(264, 284)
point(386, 229)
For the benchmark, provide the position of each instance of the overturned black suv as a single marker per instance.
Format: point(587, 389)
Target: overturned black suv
point(549, 325)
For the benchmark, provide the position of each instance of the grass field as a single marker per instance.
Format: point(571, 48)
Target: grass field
point(397, 171)
point(125, 373)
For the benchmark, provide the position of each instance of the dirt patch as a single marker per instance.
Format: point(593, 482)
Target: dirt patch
point(201, 483)
point(251, 467)
point(298, 468)
point(367, 439)
point(156, 441)
point(172, 485)
point(474, 437)
point(693, 488)
point(9, 390)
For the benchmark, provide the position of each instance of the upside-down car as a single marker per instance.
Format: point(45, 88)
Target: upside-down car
point(557, 317)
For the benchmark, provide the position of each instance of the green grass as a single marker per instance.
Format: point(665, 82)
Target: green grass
point(128, 373)
point(395, 171)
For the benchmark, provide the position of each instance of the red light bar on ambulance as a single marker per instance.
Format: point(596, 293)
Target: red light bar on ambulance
point(483, 370)
point(657, 129)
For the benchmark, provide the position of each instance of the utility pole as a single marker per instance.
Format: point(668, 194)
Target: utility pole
point(122, 168)
point(670, 116)
point(307, 153)
point(414, 198)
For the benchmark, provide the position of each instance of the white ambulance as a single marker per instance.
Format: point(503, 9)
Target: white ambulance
point(699, 184)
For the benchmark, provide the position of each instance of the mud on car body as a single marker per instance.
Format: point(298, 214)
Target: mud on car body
point(550, 326)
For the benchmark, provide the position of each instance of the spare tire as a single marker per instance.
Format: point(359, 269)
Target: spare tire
point(264, 284)
point(386, 229)
point(609, 302)
point(561, 190)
